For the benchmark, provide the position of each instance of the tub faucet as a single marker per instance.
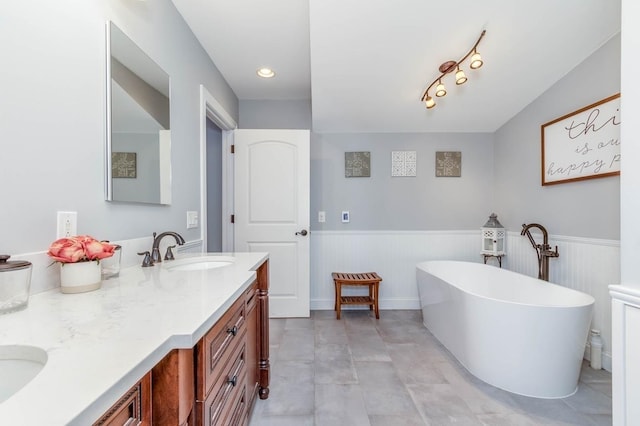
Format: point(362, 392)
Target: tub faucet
point(543, 250)
point(155, 250)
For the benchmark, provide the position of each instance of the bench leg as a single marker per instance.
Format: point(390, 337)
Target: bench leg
point(338, 299)
point(375, 300)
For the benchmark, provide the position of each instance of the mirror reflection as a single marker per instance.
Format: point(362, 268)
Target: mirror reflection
point(138, 149)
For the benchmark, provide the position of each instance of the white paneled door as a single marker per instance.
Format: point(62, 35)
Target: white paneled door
point(272, 211)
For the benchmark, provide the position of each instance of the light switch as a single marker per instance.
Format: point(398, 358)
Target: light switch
point(192, 219)
point(322, 217)
point(345, 217)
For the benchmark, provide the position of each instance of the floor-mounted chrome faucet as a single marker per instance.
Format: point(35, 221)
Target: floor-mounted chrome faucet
point(543, 250)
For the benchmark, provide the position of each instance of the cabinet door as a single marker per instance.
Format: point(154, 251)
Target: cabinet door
point(134, 408)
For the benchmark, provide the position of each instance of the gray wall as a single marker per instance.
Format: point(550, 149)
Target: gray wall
point(589, 208)
point(54, 74)
point(382, 202)
point(256, 114)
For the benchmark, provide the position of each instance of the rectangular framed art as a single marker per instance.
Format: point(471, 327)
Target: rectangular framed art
point(403, 163)
point(448, 163)
point(124, 165)
point(357, 164)
point(584, 144)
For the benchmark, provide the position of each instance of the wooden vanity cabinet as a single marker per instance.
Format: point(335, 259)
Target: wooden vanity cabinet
point(227, 365)
point(232, 359)
point(134, 408)
point(214, 383)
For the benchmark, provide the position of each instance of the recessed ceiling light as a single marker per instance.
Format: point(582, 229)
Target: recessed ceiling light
point(265, 72)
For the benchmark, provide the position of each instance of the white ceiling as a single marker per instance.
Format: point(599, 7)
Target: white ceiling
point(365, 63)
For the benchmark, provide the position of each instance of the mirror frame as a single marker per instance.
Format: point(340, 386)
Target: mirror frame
point(165, 152)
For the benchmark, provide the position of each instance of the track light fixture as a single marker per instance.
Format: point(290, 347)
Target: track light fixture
point(450, 66)
point(440, 90)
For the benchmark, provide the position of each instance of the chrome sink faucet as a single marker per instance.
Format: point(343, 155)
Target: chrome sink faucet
point(155, 250)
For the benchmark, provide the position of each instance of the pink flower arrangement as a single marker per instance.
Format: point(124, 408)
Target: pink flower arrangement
point(81, 248)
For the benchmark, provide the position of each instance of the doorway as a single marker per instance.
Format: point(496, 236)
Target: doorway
point(216, 139)
point(214, 187)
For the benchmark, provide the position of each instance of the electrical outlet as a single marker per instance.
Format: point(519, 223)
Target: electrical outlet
point(322, 217)
point(192, 219)
point(67, 224)
point(346, 217)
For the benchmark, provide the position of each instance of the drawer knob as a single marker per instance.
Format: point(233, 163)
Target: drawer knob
point(233, 381)
point(233, 330)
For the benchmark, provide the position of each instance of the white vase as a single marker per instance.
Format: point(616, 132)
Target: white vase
point(80, 277)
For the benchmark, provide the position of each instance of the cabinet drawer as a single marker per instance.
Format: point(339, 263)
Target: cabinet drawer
point(214, 348)
point(221, 403)
point(134, 408)
point(239, 414)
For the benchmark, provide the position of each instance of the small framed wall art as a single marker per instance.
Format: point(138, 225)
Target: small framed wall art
point(448, 163)
point(357, 164)
point(403, 163)
point(123, 165)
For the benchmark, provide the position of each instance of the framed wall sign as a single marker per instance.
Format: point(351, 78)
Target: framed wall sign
point(584, 144)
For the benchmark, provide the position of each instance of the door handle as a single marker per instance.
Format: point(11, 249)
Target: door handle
point(303, 232)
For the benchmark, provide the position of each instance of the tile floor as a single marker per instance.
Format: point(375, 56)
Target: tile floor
point(392, 371)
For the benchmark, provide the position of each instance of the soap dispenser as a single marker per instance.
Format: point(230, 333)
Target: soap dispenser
point(15, 282)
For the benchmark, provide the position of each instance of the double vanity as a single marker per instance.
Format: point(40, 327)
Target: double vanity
point(181, 342)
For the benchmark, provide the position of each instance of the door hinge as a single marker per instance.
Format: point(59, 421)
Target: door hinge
point(233, 218)
point(233, 149)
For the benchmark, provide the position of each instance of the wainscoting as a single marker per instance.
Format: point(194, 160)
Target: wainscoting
point(588, 265)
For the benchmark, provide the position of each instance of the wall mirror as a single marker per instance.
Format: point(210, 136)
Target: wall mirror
point(138, 139)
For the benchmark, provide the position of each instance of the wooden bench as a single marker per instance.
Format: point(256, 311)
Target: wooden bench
point(369, 279)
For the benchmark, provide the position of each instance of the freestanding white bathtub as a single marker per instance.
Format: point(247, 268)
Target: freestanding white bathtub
point(515, 332)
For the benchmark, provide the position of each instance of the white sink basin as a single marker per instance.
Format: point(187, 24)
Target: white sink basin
point(199, 263)
point(18, 366)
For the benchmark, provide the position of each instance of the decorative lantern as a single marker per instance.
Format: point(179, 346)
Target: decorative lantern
point(493, 237)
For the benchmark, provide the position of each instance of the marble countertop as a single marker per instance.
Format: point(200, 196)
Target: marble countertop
point(101, 343)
